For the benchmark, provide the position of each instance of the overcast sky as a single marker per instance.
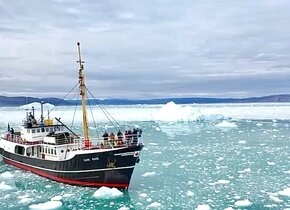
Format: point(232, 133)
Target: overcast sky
point(146, 49)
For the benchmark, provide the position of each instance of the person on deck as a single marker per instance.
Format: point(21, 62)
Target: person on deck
point(120, 138)
point(106, 138)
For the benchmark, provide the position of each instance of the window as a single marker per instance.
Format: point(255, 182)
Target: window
point(42, 149)
point(42, 130)
point(47, 129)
point(45, 150)
point(62, 151)
point(48, 151)
point(28, 131)
point(51, 129)
point(68, 150)
point(33, 130)
point(38, 130)
point(55, 151)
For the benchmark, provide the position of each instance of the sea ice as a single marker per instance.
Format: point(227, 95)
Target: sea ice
point(229, 208)
point(276, 199)
point(154, 205)
point(189, 193)
point(107, 193)
point(37, 106)
point(7, 175)
point(223, 182)
point(47, 205)
point(56, 198)
point(243, 203)
point(271, 163)
point(202, 207)
point(285, 192)
point(5, 187)
point(226, 124)
point(124, 208)
point(147, 174)
point(144, 195)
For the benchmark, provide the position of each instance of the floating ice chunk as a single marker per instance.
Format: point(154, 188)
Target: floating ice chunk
point(202, 207)
point(166, 164)
point(46, 205)
point(226, 124)
point(285, 192)
point(5, 187)
point(48, 186)
point(26, 200)
point(144, 195)
point(242, 142)
point(67, 195)
point(243, 203)
point(37, 106)
point(223, 182)
point(124, 208)
point(154, 205)
point(229, 208)
point(158, 129)
point(107, 193)
point(7, 175)
point(189, 182)
point(56, 198)
point(182, 166)
point(147, 174)
point(189, 193)
point(287, 172)
point(173, 112)
point(259, 124)
point(276, 199)
point(247, 170)
point(271, 163)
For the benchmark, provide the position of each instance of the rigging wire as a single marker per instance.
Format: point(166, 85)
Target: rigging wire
point(107, 114)
point(60, 100)
point(93, 118)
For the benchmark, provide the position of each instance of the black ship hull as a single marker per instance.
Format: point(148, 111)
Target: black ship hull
point(111, 168)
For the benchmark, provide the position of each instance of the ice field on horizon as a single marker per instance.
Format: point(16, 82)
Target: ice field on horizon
point(215, 156)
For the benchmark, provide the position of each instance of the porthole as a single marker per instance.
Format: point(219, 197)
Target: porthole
point(62, 151)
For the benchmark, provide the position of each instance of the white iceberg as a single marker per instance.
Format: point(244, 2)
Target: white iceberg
point(226, 124)
point(47, 205)
point(37, 106)
point(202, 207)
point(107, 193)
point(243, 203)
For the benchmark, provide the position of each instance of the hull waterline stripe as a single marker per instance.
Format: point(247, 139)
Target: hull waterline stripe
point(80, 171)
point(64, 180)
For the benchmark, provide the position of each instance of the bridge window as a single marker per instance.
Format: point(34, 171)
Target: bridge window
point(47, 129)
point(33, 130)
point(28, 131)
point(45, 150)
point(51, 129)
point(38, 130)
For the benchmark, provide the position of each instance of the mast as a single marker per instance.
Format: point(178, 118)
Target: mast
point(83, 94)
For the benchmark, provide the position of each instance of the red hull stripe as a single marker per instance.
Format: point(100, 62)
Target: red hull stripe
point(63, 180)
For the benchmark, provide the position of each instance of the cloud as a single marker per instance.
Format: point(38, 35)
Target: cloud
point(146, 48)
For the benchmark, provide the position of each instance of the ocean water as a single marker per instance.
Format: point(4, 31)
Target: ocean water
point(195, 157)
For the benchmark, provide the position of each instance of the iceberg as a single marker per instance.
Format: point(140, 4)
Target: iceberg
point(37, 106)
point(107, 193)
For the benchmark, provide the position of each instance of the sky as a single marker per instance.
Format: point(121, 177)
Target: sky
point(146, 49)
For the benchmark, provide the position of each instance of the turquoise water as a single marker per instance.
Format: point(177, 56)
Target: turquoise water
point(184, 165)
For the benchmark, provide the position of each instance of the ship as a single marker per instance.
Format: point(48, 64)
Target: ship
point(49, 148)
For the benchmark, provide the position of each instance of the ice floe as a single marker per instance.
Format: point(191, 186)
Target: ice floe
point(243, 203)
point(7, 175)
point(107, 193)
point(5, 187)
point(154, 205)
point(285, 192)
point(37, 106)
point(148, 174)
point(46, 205)
point(226, 124)
point(202, 207)
point(189, 193)
point(276, 199)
